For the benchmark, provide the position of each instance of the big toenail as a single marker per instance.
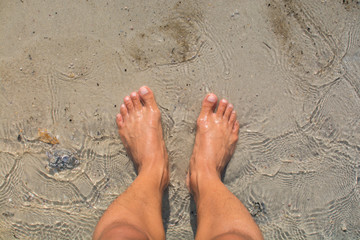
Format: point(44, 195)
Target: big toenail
point(211, 98)
point(143, 90)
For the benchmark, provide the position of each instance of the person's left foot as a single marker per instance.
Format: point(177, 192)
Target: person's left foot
point(140, 130)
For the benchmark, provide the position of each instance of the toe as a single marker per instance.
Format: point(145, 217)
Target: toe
point(119, 120)
point(236, 127)
point(221, 109)
point(136, 100)
point(147, 96)
point(129, 104)
point(209, 104)
point(123, 111)
point(228, 111)
point(232, 117)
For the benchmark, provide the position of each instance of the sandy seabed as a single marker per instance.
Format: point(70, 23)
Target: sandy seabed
point(291, 69)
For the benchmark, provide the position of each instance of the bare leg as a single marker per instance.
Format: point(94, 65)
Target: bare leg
point(136, 214)
point(220, 215)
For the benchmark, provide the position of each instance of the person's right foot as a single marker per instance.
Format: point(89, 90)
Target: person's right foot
point(216, 137)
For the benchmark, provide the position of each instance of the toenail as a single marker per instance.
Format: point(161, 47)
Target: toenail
point(211, 98)
point(127, 99)
point(143, 90)
point(133, 94)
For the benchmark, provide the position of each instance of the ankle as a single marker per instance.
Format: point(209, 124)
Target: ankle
point(159, 175)
point(201, 177)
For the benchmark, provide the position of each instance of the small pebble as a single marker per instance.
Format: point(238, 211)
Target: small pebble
point(21, 69)
point(235, 13)
point(343, 227)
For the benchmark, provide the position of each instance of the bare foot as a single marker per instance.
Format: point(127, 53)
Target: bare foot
point(140, 131)
point(216, 137)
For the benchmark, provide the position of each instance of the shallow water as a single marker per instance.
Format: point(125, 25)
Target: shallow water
point(291, 69)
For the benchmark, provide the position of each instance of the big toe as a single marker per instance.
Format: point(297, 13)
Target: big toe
point(208, 104)
point(147, 96)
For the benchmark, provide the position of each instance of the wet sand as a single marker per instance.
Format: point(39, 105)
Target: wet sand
point(290, 68)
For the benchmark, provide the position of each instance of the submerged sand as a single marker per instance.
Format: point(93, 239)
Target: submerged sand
point(291, 69)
